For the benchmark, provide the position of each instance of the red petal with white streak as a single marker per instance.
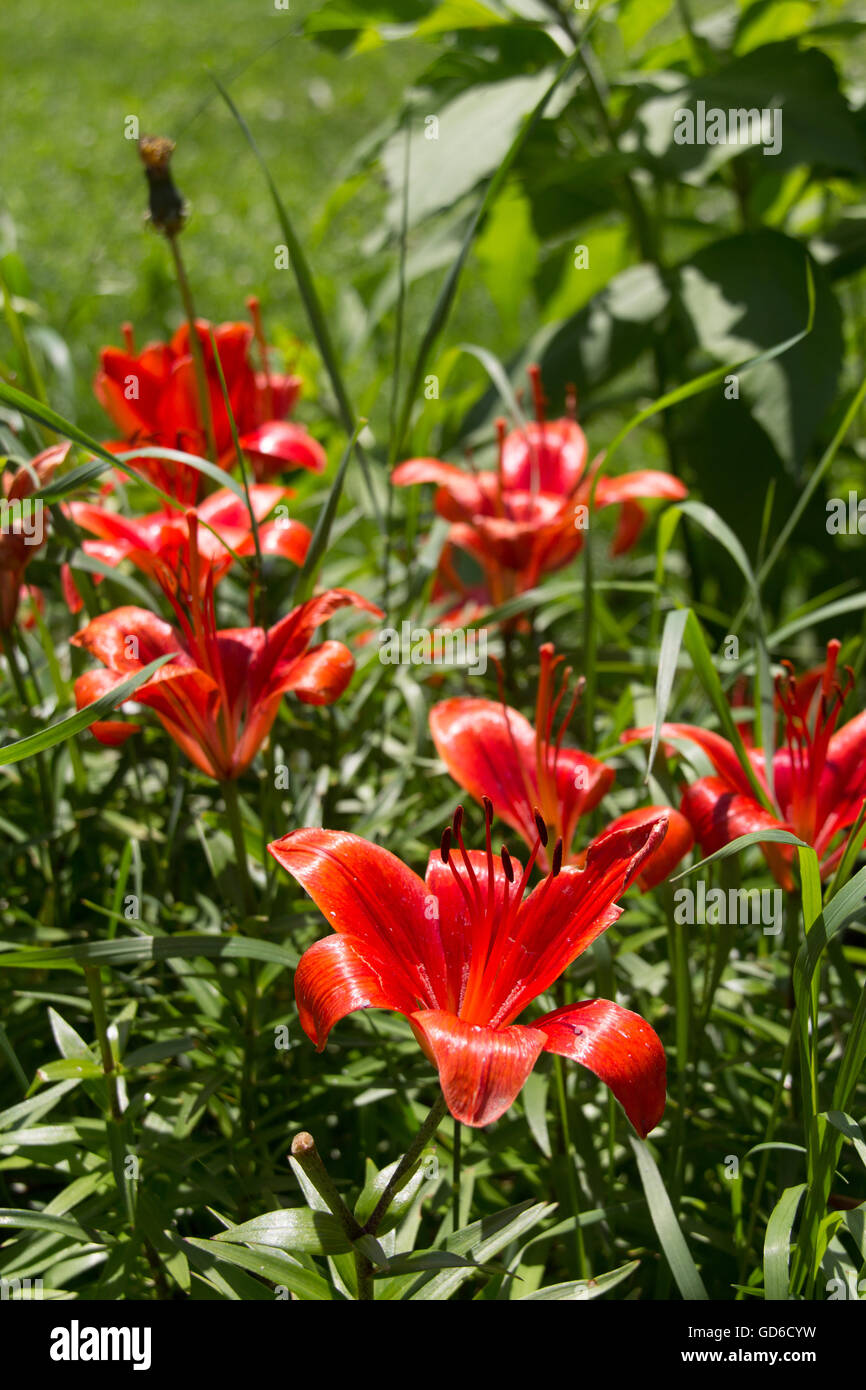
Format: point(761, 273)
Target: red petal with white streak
point(338, 975)
point(481, 1070)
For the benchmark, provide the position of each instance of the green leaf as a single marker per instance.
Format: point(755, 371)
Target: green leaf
point(482, 1239)
point(802, 83)
point(676, 1251)
point(138, 949)
point(448, 293)
point(68, 1068)
point(277, 1268)
point(777, 1243)
point(581, 1290)
point(318, 545)
point(476, 131)
point(77, 723)
point(754, 837)
point(310, 298)
point(11, 1219)
point(402, 1200)
point(669, 656)
point(745, 293)
point(849, 1127)
point(293, 1229)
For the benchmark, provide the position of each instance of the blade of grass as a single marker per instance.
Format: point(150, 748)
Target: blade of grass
point(307, 577)
point(671, 1238)
point(777, 1243)
point(76, 723)
point(310, 298)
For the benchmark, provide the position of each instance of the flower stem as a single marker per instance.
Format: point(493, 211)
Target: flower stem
point(407, 1163)
point(309, 1160)
point(455, 1176)
point(233, 815)
point(195, 349)
point(580, 1248)
point(9, 639)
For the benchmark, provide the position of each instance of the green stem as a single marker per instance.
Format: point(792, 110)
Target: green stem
point(309, 1160)
point(236, 829)
point(755, 1203)
point(455, 1176)
point(100, 1023)
point(195, 349)
point(579, 1245)
point(407, 1164)
point(45, 792)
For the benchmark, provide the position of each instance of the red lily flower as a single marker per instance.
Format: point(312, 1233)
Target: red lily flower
point(162, 538)
point(493, 752)
point(22, 528)
point(462, 955)
point(524, 520)
point(153, 399)
point(819, 776)
point(219, 695)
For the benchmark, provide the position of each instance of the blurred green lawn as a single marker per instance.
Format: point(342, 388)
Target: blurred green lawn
point(74, 188)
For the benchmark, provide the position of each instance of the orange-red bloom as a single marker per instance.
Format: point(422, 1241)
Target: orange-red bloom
point(528, 517)
point(819, 776)
point(218, 697)
point(23, 524)
point(463, 954)
point(493, 752)
point(161, 539)
point(152, 398)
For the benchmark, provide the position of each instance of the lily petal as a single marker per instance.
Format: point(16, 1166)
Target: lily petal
point(563, 916)
point(279, 444)
point(367, 893)
point(338, 975)
point(619, 1047)
point(675, 845)
point(321, 675)
point(481, 1070)
point(717, 816)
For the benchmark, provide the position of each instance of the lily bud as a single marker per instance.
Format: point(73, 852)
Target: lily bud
point(167, 208)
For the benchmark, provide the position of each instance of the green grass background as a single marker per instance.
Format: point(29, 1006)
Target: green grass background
point(72, 189)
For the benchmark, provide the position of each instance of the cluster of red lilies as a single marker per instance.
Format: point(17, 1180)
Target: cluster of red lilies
point(466, 951)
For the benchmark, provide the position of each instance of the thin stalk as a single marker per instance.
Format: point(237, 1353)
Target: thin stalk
point(233, 816)
point(455, 1176)
point(574, 1198)
point(407, 1163)
point(195, 348)
point(93, 977)
point(755, 1202)
point(8, 641)
point(309, 1160)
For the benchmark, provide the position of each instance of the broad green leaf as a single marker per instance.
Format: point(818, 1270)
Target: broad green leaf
point(11, 1219)
point(292, 1229)
point(676, 1251)
point(777, 1243)
point(277, 1268)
